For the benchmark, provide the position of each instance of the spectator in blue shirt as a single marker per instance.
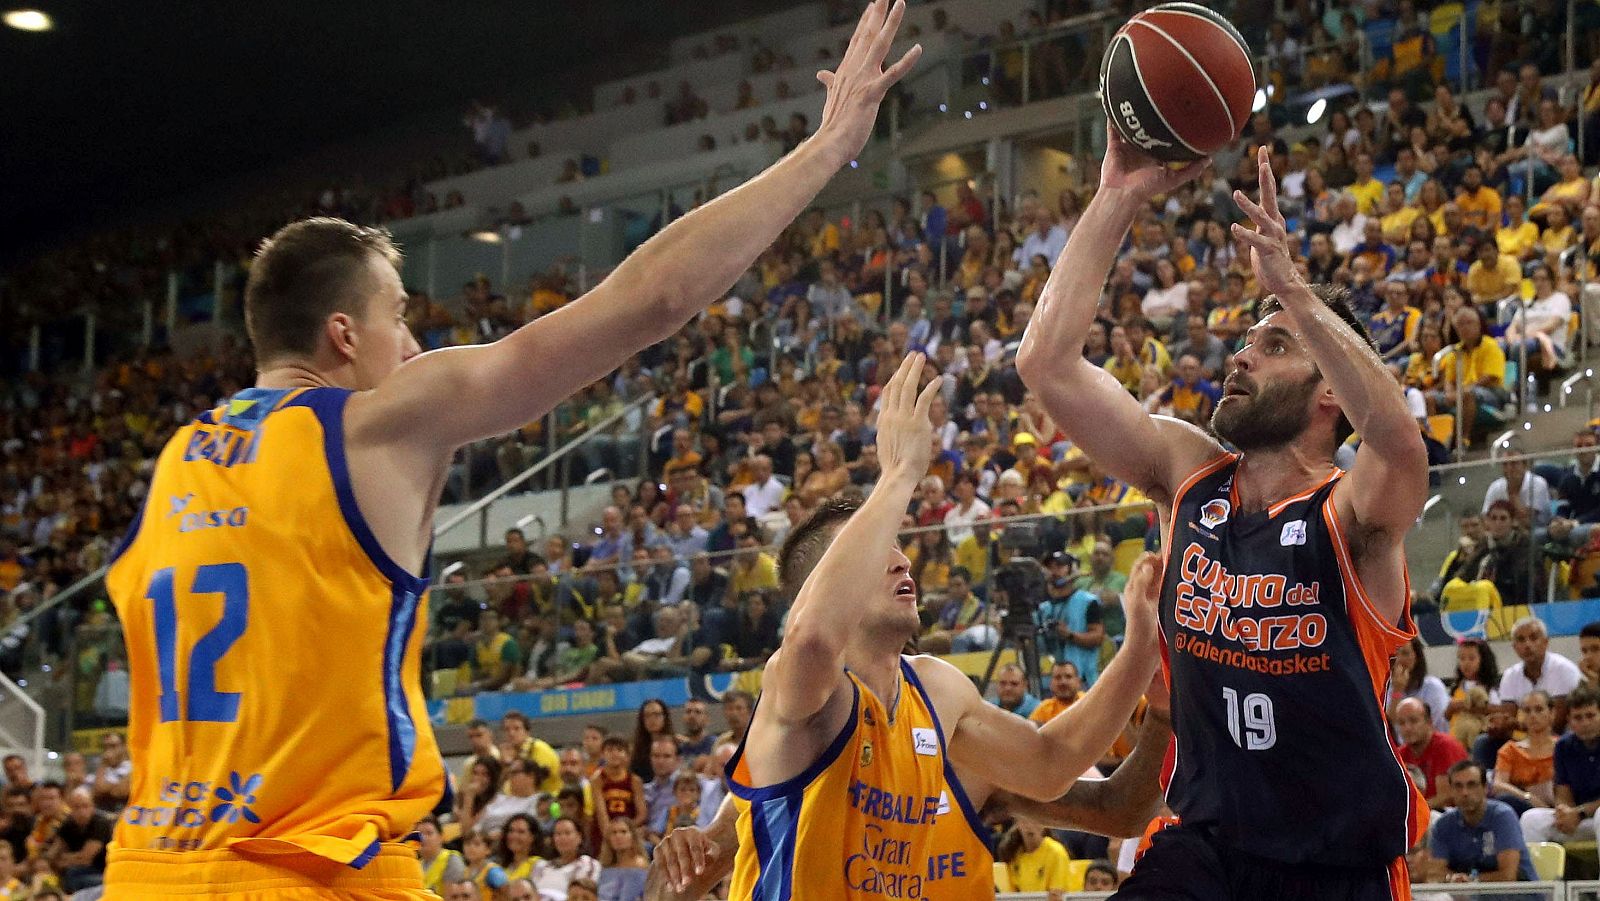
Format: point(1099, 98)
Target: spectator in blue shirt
point(1577, 761)
point(1011, 691)
point(934, 221)
point(1479, 840)
point(1070, 621)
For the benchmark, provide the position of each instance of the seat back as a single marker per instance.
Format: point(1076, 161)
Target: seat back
point(1549, 860)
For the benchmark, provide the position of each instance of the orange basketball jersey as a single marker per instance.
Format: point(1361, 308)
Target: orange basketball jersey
point(273, 647)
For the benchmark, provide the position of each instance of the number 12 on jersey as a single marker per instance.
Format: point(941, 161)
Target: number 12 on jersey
point(205, 703)
point(1260, 732)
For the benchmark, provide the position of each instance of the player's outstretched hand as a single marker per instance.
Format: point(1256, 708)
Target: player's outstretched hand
point(1269, 243)
point(858, 85)
point(1126, 166)
point(1140, 598)
point(683, 854)
point(905, 433)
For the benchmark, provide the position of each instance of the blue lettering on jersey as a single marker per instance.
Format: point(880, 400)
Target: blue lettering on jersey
point(907, 809)
point(223, 446)
point(884, 866)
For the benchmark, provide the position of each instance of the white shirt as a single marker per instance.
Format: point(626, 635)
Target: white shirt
point(1346, 235)
point(1416, 403)
point(1159, 302)
point(1049, 245)
point(1535, 495)
point(501, 808)
point(1294, 184)
point(1558, 677)
point(959, 524)
point(1551, 315)
point(759, 500)
point(553, 879)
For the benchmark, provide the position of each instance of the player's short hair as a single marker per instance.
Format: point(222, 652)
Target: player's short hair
point(802, 550)
point(614, 741)
point(1582, 697)
point(1590, 630)
point(305, 273)
point(1337, 299)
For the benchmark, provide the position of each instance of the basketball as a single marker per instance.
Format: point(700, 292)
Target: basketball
point(1177, 81)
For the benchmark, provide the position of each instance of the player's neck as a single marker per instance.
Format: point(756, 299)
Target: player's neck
point(880, 673)
point(1269, 475)
point(301, 374)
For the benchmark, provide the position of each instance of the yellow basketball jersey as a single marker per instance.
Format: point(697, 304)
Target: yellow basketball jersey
point(273, 647)
point(856, 824)
point(960, 861)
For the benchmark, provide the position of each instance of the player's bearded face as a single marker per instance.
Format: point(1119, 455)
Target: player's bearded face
point(1264, 415)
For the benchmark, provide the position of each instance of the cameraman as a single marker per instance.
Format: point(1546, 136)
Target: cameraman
point(1071, 625)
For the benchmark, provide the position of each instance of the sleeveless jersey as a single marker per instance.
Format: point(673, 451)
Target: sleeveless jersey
point(1279, 664)
point(859, 822)
point(274, 649)
point(960, 861)
point(617, 795)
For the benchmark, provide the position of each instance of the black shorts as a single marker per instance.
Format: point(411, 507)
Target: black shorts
point(1188, 864)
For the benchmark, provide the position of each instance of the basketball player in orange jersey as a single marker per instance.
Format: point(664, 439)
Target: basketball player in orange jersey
point(271, 592)
point(1285, 591)
point(841, 779)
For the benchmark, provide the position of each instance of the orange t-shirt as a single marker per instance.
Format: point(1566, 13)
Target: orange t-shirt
point(1514, 765)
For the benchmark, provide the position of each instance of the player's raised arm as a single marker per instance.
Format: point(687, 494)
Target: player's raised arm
point(1121, 806)
point(1096, 412)
point(828, 609)
point(1043, 763)
point(459, 395)
point(1388, 484)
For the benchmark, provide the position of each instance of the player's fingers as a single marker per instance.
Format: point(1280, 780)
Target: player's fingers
point(826, 78)
point(865, 28)
point(697, 854)
point(925, 399)
point(1251, 208)
point(1255, 239)
point(1269, 185)
point(899, 69)
point(1177, 177)
point(886, 33)
point(667, 858)
point(913, 379)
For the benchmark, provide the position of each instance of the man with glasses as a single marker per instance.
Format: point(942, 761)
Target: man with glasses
point(1479, 840)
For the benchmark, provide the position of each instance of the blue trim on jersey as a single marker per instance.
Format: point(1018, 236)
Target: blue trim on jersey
point(127, 537)
point(954, 784)
point(795, 784)
point(778, 817)
point(365, 857)
point(402, 731)
point(328, 405)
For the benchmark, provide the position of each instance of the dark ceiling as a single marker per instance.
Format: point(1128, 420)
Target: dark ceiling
point(130, 107)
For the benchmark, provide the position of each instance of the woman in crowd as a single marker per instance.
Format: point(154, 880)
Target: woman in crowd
point(1516, 236)
point(518, 796)
point(623, 863)
point(1524, 770)
point(758, 630)
point(519, 846)
point(654, 721)
point(1474, 690)
point(1541, 327)
point(567, 862)
point(828, 478)
point(483, 782)
point(1411, 680)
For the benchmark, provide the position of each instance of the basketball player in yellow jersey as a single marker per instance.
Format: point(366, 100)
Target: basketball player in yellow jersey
point(271, 591)
point(839, 779)
point(690, 861)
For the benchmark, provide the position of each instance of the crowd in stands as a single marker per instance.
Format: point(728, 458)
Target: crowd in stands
point(54, 833)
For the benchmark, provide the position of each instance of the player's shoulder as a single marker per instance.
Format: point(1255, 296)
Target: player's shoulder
point(941, 679)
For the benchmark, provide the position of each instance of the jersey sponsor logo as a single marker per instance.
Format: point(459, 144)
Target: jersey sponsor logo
point(199, 520)
point(909, 810)
point(179, 504)
point(1293, 665)
point(1294, 533)
point(925, 741)
point(947, 866)
point(866, 753)
point(225, 447)
point(885, 866)
point(1210, 600)
point(193, 804)
point(944, 803)
point(1214, 513)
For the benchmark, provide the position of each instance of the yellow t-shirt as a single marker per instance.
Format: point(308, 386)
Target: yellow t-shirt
point(1487, 285)
point(1367, 195)
point(974, 557)
point(1517, 241)
point(1484, 360)
point(763, 574)
point(1042, 869)
point(1480, 207)
point(1397, 225)
point(1129, 374)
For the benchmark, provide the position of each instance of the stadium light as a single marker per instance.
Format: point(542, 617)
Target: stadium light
point(486, 235)
point(1314, 114)
point(1260, 101)
point(29, 20)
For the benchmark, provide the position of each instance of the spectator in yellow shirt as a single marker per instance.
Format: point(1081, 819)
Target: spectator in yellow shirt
point(1397, 216)
point(1124, 364)
point(824, 235)
point(1482, 374)
point(1479, 203)
point(1516, 236)
point(1368, 191)
point(1036, 862)
point(1558, 234)
point(753, 569)
point(1493, 275)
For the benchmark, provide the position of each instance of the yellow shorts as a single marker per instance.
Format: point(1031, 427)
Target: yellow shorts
point(136, 875)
